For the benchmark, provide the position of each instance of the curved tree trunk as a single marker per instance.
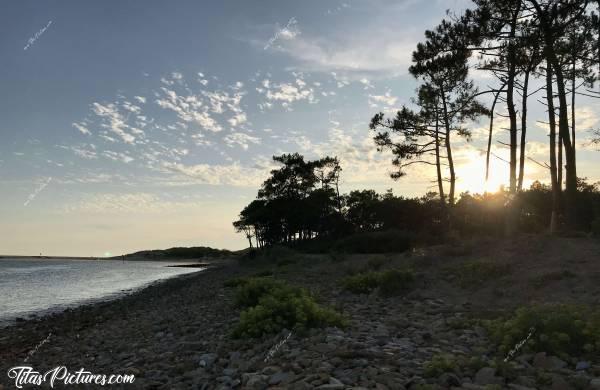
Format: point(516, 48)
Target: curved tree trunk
point(449, 150)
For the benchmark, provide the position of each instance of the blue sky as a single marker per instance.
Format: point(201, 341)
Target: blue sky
point(137, 125)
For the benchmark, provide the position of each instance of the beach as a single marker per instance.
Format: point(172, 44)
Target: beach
point(176, 334)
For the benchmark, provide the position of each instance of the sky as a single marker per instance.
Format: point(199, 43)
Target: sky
point(137, 125)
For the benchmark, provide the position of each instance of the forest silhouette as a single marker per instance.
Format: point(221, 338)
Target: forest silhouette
point(517, 44)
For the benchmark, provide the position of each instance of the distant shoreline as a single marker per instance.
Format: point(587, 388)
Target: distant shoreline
point(195, 261)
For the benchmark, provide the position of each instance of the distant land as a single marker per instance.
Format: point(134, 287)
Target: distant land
point(177, 253)
point(198, 252)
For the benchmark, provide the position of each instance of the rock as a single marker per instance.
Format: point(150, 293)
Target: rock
point(331, 387)
point(254, 381)
point(277, 378)
point(526, 381)
point(323, 348)
point(519, 387)
point(470, 386)
point(207, 359)
point(224, 379)
point(487, 376)
point(270, 370)
point(559, 383)
point(229, 371)
point(448, 380)
point(540, 360)
point(582, 366)
point(595, 384)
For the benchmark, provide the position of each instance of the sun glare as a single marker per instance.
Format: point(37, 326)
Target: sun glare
point(471, 175)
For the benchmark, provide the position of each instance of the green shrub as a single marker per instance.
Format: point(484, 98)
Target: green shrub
point(395, 282)
point(282, 306)
point(390, 241)
point(390, 282)
point(235, 282)
point(473, 273)
point(362, 283)
point(337, 257)
point(375, 263)
point(438, 365)
point(284, 262)
point(249, 292)
point(547, 278)
point(558, 330)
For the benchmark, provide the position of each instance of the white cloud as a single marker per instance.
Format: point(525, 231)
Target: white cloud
point(385, 99)
point(286, 33)
point(241, 139)
point(82, 128)
point(114, 121)
point(189, 109)
point(233, 174)
point(116, 156)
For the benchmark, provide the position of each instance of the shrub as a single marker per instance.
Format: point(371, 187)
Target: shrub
point(235, 282)
point(547, 278)
point(337, 257)
point(395, 282)
point(375, 263)
point(249, 292)
point(283, 306)
point(473, 273)
point(391, 282)
point(284, 262)
point(438, 365)
point(390, 241)
point(558, 329)
point(362, 283)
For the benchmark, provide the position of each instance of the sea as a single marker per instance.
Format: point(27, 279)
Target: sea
point(34, 286)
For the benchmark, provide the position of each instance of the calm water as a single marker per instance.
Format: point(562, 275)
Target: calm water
point(36, 286)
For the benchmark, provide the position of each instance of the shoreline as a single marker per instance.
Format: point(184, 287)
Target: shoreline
point(41, 315)
point(176, 334)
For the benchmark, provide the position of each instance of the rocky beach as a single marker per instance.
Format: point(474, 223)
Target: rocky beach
point(177, 334)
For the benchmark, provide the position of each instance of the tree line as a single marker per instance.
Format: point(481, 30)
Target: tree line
point(514, 42)
point(541, 51)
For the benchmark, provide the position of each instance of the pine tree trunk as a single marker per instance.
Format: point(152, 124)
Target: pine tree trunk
point(449, 150)
point(553, 167)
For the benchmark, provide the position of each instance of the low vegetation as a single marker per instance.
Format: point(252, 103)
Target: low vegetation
point(561, 330)
point(390, 282)
point(439, 364)
point(391, 241)
point(271, 305)
point(551, 277)
point(473, 273)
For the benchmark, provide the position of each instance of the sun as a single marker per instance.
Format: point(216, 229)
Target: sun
point(470, 172)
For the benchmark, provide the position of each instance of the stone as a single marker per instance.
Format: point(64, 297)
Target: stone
point(526, 381)
point(582, 366)
point(487, 376)
point(540, 360)
point(330, 386)
point(255, 382)
point(595, 384)
point(207, 359)
point(559, 383)
point(519, 387)
point(448, 379)
point(278, 377)
point(229, 371)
